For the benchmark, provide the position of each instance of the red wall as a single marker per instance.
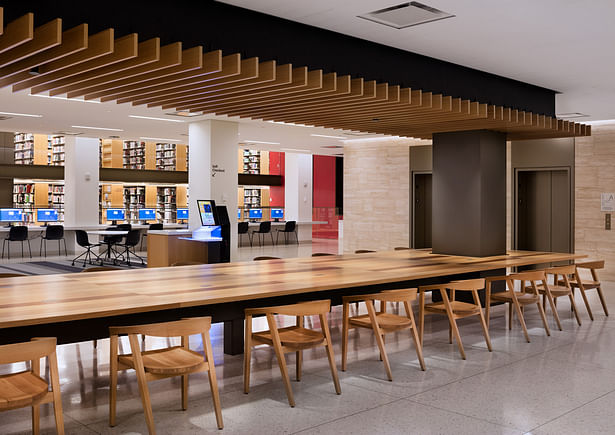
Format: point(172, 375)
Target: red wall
point(323, 197)
point(276, 167)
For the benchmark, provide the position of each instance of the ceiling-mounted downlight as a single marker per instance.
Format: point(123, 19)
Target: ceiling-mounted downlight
point(406, 15)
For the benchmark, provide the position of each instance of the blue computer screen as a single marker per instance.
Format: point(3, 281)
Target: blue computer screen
point(277, 213)
point(256, 213)
point(115, 214)
point(238, 213)
point(147, 214)
point(46, 215)
point(182, 213)
point(10, 215)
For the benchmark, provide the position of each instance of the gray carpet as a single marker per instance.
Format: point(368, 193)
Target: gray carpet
point(54, 267)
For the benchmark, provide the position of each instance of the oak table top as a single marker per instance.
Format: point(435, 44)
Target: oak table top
point(44, 299)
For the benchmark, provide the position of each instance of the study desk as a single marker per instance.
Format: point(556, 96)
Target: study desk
point(81, 306)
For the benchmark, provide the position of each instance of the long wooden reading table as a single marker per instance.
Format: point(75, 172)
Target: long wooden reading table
point(81, 306)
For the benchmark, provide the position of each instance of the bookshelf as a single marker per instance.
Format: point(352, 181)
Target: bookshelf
point(111, 153)
point(134, 155)
point(252, 197)
point(166, 206)
point(57, 155)
point(171, 157)
point(251, 162)
point(30, 195)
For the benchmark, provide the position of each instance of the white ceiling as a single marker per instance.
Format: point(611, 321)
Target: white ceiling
point(564, 45)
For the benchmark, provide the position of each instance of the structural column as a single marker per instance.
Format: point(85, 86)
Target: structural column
point(213, 170)
point(81, 176)
point(298, 191)
point(469, 193)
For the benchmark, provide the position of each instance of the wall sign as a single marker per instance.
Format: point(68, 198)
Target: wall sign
point(607, 202)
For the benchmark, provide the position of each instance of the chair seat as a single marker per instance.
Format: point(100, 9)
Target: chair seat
point(170, 361)
point(556, 290)
point(386, 321)
point(522, 298)
point(456, 306)
point(586, 284)
point(18, 390)
point(292, 336)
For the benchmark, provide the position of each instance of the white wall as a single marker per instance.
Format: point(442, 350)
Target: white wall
point(81, 176)
point(298, 186)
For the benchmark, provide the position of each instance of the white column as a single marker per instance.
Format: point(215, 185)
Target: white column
point(81, 178)
point(213, 170)
point(297, 187)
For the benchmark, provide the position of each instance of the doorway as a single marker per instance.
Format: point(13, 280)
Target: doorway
point(422, 210)
point(543, 210)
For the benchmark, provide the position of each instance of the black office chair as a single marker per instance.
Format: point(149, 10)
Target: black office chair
point(111, 241)
point(132, 240)
point(53, 232)
point(154, 227)
point(242, 228)
point(263, 228)
point(290, 227)
point(84, 242)
point(17, 233)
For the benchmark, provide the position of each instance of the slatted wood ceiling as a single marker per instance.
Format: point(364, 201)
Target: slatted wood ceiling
point(48, 59)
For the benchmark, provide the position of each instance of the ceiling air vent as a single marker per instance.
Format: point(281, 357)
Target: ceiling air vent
point(406, 15)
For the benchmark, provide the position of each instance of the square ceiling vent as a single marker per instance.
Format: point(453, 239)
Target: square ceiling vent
point(406, 15)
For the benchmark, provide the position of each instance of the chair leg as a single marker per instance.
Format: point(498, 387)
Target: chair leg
point(30, 249)
point(585, 301)
point(3, 242)
point(247, 354)
point(36, 409)
point(544, 319)
point(602, 300)
point(277, 237)
point(142, 382)
point(277, 346)
point(574, 307)
point(330, 355)
point(421, 316)
point(57, 398)
point(376, 328)
point(184, 344)
point(22, 249)
point(112, 378)
point(40, 250)
point(554, 309)
point(65, 250)
point(271, 234)
point(299, 353)
point(345, 324)
point(415, 336)
point(453, 323)
point(510, 315)
point(213, 380)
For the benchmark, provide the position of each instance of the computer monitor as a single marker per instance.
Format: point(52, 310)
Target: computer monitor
point(116, 214)
point(277, 213)
point(46, 215)
point(10, 215)
point(256, 213)
point(238, 213)
point(207, 211)
point(182, 213)
point(147, 214)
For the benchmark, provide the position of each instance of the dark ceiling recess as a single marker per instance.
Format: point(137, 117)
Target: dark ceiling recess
point(236, 30)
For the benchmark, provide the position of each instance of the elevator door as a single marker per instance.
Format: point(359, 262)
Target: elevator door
point(543, 211)
point(422, 211)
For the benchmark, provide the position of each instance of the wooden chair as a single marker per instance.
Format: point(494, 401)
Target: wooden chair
point(381, 322)
point(454, 309)
point(163, 363)
point(265, 257)
point(587, 284)
point(363, 251)
point(560, 287)
point(27, 388)
point(517, 299)
point(290, 339)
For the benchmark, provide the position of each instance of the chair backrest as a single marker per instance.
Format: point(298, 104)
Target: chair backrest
point(599, 264)
point(113, 239)
point(178, 328)
point(242, 227)
point(100, 269)
point(290, 226)
point(27, 351)
point(265, 257)
point(401, 295)
point(124, 227)
point(18, 233)
point(133, 237)
point(156, 227)
point(363, 251)
point(311, 308)
point(467, 284)
point(561, 270)
point(531, 276)
point(264, 227)
point(321, 254)
point(11, 275)
point(54, 232)
point(82, 238)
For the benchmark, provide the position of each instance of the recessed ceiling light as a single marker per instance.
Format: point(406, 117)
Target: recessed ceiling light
point(260, 141)
point(406, 15)
point(292, 124)
point(161, 139)
point(96, 128)
point(78, 100)
point(155, 119)
point(295, 150)
point(28, 115)
point(330, 137)
point(184, 114)
point(571, 115)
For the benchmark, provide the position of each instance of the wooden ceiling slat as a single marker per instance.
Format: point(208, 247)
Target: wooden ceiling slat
point(1, 21)
point(193, 60)
point(100, 44)
point(298, 81)
point(45, 37)
point(73, 40)
point(168, 56)
point(148, 53)
point(124, 48)
point(17, 32)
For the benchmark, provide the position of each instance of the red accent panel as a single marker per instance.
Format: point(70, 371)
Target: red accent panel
point(276, 167)
point(324, 197)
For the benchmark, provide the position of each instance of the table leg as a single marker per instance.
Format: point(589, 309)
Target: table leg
point(233, 337)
